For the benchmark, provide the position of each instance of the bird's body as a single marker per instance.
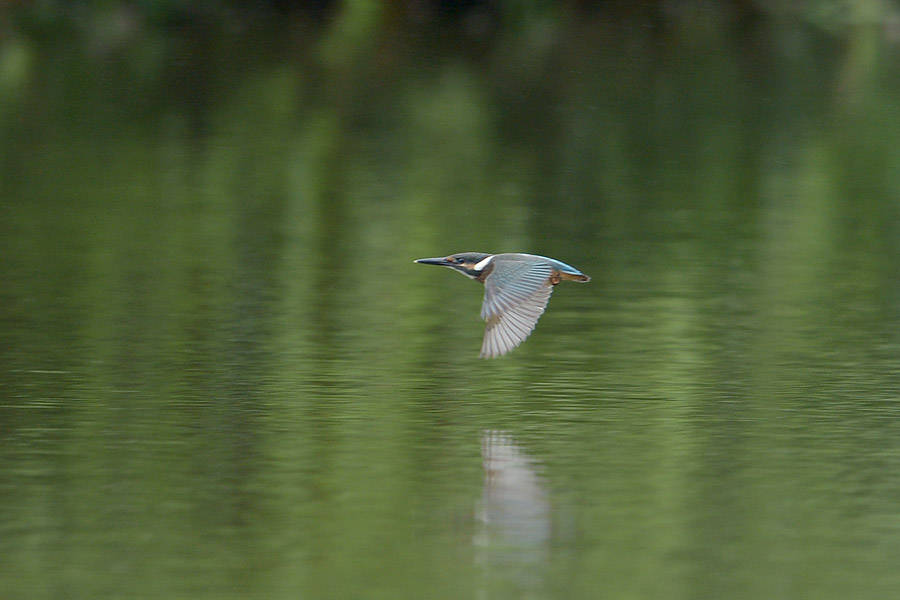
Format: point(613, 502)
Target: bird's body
point(517, 288)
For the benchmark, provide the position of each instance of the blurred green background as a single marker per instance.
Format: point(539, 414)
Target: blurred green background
point(222, 376)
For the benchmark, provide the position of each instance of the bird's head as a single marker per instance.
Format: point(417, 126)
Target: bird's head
point(464, 262)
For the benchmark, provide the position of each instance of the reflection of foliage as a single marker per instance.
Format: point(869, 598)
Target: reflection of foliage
point(206, 236)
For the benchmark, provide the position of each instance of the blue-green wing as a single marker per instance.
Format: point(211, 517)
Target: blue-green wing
point(515, 296)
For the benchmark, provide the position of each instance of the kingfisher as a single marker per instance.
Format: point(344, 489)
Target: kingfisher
point(517, 288)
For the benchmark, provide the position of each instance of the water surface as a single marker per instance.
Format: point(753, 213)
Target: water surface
point(222, 376)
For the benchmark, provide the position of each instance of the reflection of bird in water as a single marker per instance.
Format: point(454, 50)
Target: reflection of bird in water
point(515, 511)
point(517, 288)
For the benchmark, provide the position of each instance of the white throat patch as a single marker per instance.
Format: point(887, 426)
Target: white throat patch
point(483, 263)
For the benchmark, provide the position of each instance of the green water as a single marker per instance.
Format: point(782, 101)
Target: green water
point(222, 376)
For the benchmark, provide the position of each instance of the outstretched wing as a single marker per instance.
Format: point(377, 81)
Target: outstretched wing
point(515, 296)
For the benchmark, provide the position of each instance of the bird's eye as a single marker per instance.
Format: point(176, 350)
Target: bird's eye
point(460, 260)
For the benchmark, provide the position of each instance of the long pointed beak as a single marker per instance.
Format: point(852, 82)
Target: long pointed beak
point(442, 262)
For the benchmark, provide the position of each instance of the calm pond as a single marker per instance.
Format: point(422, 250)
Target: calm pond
point(223, 376)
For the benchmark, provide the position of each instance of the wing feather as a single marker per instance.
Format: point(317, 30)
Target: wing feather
point(507, 330)
point(516, 293)
point(511, 284)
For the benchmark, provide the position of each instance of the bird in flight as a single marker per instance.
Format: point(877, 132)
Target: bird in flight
point(517, 288)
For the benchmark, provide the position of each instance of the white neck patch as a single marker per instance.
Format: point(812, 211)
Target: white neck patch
point(483, 263)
